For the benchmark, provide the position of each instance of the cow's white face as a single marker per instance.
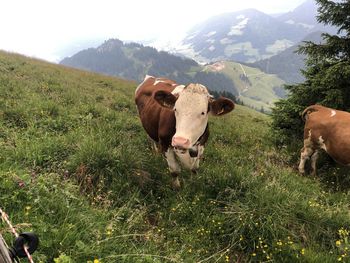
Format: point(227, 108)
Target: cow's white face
point(191, 113)
point(191, 107)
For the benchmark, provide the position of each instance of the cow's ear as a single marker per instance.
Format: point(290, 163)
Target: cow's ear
point(221, 106)
point(165, 98)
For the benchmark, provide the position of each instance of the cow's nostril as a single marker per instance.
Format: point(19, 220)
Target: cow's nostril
point(193, 153)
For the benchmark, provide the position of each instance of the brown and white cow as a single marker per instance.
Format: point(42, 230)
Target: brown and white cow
point(325, 129)
point(176, 118)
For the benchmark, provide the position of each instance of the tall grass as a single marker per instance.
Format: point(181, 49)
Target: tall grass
point(77, 168)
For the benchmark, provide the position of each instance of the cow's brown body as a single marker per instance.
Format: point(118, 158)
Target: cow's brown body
point(159, 122)
point(176, 118)
point(327, 129)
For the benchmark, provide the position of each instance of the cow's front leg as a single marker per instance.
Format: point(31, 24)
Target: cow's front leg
point(156, 148)
point(174, 167)
point(195, 160)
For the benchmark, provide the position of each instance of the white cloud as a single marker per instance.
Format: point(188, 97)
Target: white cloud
point(226, 41)
point(290, 21)
point(210, 34)
point(240, 17)
point(236, 30)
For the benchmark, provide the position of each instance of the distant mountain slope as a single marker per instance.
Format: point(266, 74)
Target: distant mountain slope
point(247, 35)
point(305, 16)
point(129, 60)
point(287, 65)
point(134, 61)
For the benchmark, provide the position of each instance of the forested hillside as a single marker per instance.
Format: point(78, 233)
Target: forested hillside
point(133, 61)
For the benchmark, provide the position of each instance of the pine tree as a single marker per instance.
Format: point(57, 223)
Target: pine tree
point(327, 73)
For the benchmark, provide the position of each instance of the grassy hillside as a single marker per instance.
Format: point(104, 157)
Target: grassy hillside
point(77, 168)
point(256, 88)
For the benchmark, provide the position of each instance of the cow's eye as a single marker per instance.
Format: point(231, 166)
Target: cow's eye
point(203, 113)
point(174, 109)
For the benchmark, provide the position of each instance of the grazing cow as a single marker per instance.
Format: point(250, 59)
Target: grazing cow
point(176, 118)
point(325, 129)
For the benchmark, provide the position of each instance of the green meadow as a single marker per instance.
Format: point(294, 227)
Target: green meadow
point(77, 168)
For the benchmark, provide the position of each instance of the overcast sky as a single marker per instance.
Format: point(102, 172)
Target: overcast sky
point(41, 28)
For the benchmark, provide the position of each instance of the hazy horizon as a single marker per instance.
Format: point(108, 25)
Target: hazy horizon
point(48, 29)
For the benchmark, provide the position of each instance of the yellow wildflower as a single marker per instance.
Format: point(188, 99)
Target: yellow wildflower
point(338, 243)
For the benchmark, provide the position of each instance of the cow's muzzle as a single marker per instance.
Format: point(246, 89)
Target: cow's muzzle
point(180, 143)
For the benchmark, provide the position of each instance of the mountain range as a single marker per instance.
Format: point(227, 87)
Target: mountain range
point(251, 86)
point(249, 35)
point(133, 61)
point(253, 38)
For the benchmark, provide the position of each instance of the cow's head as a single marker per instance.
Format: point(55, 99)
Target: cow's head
point(192, 106)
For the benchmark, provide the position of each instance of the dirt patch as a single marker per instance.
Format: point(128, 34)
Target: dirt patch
point(217, 66)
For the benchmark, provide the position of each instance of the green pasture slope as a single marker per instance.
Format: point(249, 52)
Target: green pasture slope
point(259, 92)
point(77, 168)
